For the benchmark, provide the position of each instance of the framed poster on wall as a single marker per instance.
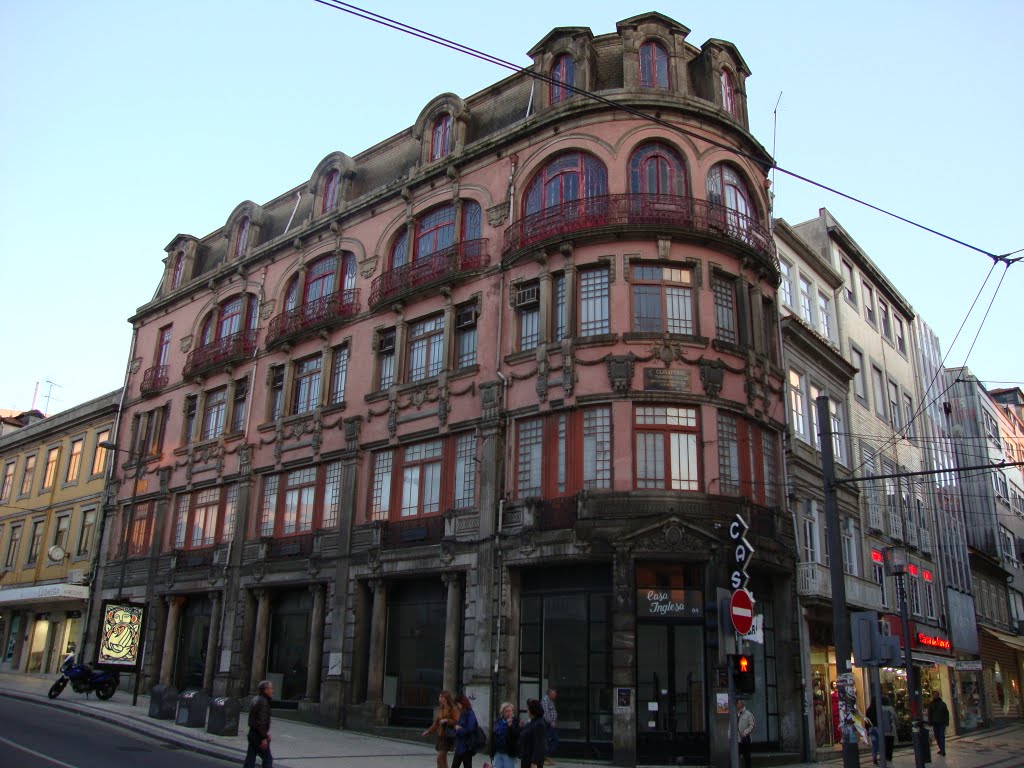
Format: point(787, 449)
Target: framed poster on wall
point(119, 644)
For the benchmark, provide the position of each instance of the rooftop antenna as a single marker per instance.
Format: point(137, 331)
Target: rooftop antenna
point(775, 131)
point(35, 392)
point(49, 394)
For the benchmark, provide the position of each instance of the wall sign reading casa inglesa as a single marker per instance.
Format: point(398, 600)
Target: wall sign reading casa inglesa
point(669, 603)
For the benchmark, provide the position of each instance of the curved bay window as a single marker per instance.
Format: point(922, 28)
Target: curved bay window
point(667, 441)
point(729, 201)
point(313, 298)
point(440, 137)
point(563, 73)
point(424, 478)
point(653, 65)
point(228, 332)
point(444, 241)
point(300, 501)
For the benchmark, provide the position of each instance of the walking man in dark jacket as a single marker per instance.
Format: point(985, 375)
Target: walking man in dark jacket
point(259, 727)
point(938, 716)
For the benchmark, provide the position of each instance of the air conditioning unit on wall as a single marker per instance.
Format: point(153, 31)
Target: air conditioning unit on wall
point(77, 576)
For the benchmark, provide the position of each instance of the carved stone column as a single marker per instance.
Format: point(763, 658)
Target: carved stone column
point(212, 647)
point(378, 629)
point(452, 630)
point(360, 644)
point(259, 645)
point(316, 643)
point(174, 606)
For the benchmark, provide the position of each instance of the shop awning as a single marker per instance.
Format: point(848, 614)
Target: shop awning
point(931, 658)
point(43, 593)
point(1014, 641)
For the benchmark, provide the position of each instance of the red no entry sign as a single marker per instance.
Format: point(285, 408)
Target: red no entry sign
point(741, 611)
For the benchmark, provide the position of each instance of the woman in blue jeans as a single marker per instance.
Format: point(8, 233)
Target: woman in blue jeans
point(464, 732)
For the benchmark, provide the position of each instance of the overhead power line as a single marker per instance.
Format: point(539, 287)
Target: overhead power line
point(430, 37)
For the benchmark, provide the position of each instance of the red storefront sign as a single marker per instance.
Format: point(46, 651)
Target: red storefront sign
point(918, 640)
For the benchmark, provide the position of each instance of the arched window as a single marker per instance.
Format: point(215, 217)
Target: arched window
point(234, 315)
point(653, 65)
point(435, 231)
point(563, 73)
point(331, 191)
point(241, 237)
point(657, 169)
point(727, 189)
point(440, 137)
point(320, 281)
point(728, 93)
point(567, 177)
point(178, 270)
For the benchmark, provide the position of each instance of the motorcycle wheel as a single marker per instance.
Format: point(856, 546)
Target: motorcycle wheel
point(106, 690)
point(57, 687)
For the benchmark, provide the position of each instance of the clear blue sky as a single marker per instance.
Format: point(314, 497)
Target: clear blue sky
point(125, 123)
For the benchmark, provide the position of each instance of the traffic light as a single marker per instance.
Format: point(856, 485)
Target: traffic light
point(743, 673)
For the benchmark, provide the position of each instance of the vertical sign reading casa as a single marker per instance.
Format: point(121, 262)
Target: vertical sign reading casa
point(120, 637)
point(741, 604)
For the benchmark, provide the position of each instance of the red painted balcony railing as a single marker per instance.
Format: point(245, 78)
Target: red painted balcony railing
point(228, 349)
point(669, 211)
point(154, 379)
point(435, 269)
point(332, 308)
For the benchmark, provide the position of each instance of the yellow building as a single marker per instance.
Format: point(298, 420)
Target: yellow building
point(52, 477)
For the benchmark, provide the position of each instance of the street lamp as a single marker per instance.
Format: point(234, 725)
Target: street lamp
point(110, 445)
point(897, 562)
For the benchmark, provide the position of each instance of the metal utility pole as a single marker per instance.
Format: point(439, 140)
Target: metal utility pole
point(840, 619)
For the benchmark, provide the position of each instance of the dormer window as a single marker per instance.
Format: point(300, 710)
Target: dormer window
point(331, 191)
point(563, 78)
point(178, 270)
point(241, 237)
point(653, 65)
point(728, 92)
point(440, 140)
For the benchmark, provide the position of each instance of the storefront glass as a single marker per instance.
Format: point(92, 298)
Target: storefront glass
point(193, 636)
point(825, 696)
point(967, 701)
point(414, 658)
point(565, 644)
point(289, 643)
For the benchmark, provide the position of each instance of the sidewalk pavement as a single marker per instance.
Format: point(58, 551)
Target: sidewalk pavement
point(299, 745)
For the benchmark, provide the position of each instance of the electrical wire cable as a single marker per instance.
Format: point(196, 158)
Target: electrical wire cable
point(430, 37)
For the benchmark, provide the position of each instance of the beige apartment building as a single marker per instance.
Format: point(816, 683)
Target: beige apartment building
point(874, 332)
point(51, 496)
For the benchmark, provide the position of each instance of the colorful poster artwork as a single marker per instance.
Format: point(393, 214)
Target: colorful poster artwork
point(120, 635)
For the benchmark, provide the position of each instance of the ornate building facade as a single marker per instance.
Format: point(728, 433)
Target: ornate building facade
point(474, 409)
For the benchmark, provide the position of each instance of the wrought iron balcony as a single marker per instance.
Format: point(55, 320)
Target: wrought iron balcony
point(225, 350)
point(154, 379)
point(666, 212)
point(414, 532)
point(333, 308)
point(436, 269)
point(815, 580)
point(555, 514)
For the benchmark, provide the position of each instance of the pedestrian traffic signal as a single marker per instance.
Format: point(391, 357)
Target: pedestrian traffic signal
point(743, 673)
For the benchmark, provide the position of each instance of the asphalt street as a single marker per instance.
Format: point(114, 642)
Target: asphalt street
point(34, 735)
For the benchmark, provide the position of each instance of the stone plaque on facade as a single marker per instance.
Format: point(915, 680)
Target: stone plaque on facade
point(666, 380)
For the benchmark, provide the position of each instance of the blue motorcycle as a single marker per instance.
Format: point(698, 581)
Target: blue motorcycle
point(84, 679)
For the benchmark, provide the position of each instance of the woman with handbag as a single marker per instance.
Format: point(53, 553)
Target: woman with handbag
point(444, 726)
point(465, 734)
